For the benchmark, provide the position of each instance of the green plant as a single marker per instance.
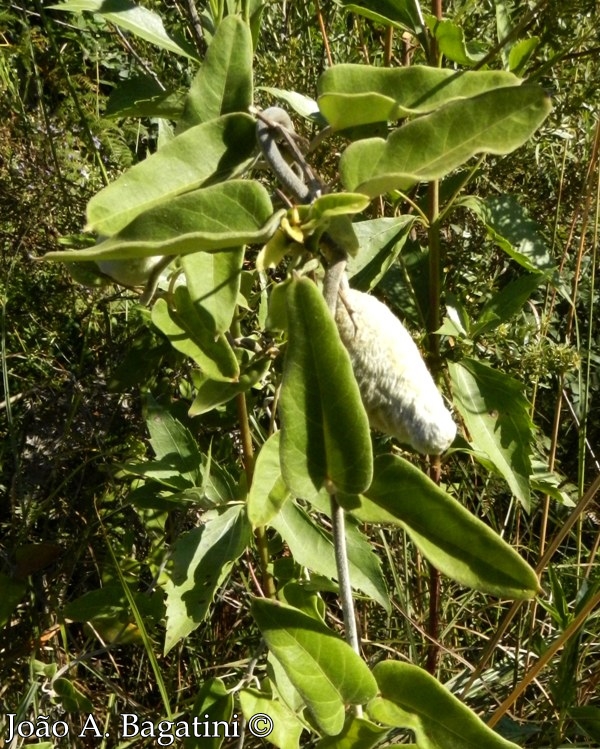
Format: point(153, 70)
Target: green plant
point(194, 498)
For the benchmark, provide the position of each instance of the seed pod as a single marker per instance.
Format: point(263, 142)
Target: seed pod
point(397, 390)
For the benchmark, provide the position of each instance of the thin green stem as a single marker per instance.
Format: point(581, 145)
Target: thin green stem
point(260, 535)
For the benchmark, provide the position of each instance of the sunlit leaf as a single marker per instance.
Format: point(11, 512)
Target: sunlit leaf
point(268, 491)
point(285, 726)
point(174, 446)
point(300, 103)
point(431, 146)
point(520, 54)
point(325, 435)
point(213, 393)
point(189, 333)
point(351, 95)
point(448, 535)
point(452, 43)
point(213, 281)
point(405, 14)
point(212, 151)
point(201, 561)
point(324, 669)
point(496, 414)
point(380, 242)
point(312, 547)
point(224, 82)
point(412, 698)
point(215, 218)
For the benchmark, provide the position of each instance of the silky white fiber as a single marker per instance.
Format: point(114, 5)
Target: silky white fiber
point(398, 392)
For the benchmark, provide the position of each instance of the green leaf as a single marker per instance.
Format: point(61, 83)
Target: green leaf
point(380, 242)
point(353, 95)
point(142, 96)
point(213, 702)
point(325, 670)
point(513, 231)
point(496, 414)
point(312, 547)
point(285, 726)
point(174, 446)
point(357, 733)
point(202, 560)
point(140, 21)
point(190, 331)
point(431, 146)
point(452, 43)
point(213, 393)
point(301, 104)
point(404, 14)
point(224, 82)
point(325, 437)
point(412, 698)
point(449, 536)
point(521, 53)
point(215, 218)
point(213, 282)
point(70, 698)
point(508, 302)
point(268, 491)
point(337, 204)
point(213, 151)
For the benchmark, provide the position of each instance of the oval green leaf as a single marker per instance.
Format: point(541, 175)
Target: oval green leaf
point(214, 218)
point(312, 547)
point(214, 151)
point(431, 146)
point(201, 561)
point(353, 95)
point(324, 669)
point(285, 725)
point(213, 282)
point(224, 82)
point(412, 698)
point(268, 491)
point(325, 435)
point(448, 535)
point(213, 393)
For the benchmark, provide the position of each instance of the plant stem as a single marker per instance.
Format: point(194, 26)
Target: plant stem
point(260, 535)
point(345, 588)
point(333, 279)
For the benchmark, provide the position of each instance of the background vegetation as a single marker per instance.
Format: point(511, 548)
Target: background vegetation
point(81, 365)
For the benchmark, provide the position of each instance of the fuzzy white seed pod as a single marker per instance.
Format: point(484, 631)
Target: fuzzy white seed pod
point(398, 392)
